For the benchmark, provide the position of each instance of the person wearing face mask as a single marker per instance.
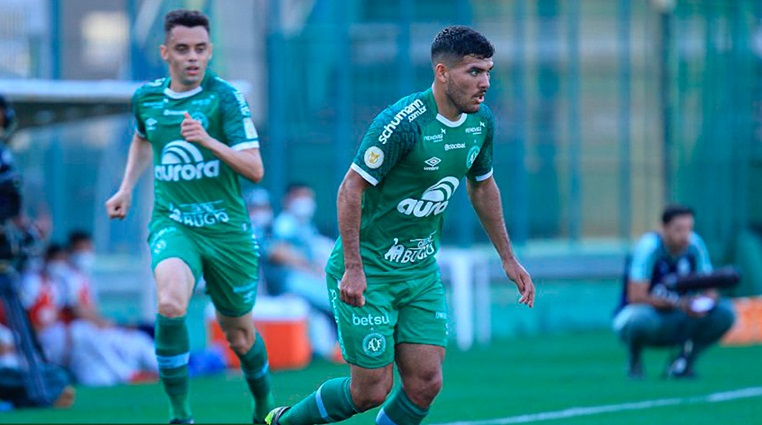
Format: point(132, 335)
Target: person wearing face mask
point(651, 316)
point(72, 332)
point(297, 255)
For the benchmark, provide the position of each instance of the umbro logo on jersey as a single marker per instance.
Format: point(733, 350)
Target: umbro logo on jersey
point(432, 163)
point(151, 124)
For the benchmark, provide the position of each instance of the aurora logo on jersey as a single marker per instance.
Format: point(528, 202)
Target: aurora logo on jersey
point(198, 215)
point(433, 201)
point(422, 249)
point(181, 160)
point(411, 112)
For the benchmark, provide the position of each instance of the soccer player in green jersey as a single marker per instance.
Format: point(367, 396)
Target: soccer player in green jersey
point(199, 131)
point(383, 280)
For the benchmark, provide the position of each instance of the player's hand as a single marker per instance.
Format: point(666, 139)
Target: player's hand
point(118, 205)
point(518, 274)
point(193, 131)
point(352, 286)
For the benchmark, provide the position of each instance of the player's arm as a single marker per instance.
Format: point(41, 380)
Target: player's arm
point(485, 198)
point(246, 162)
point(349, 206)
point(376, 156)
point(139, 156)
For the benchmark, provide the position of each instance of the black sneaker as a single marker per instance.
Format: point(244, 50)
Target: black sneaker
point(182, 421)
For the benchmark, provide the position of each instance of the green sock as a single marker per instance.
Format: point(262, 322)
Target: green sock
point(172, 352)
point(332, 402)
point(400, 410)
point(256, 370)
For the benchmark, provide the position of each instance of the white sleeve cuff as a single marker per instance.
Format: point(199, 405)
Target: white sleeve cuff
point(247, 145)
point(370, 179)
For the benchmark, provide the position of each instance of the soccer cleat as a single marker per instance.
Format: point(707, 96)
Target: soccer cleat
point(182, 421)
point(274, 415)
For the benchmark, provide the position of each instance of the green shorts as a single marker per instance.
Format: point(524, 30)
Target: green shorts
point(228, 262)
point(412, 311)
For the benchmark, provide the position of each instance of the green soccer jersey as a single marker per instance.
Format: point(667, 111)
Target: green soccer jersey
point(191, 185)
point(415, 159)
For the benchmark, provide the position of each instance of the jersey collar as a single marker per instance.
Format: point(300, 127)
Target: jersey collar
point(441, 118)
point(182, 95)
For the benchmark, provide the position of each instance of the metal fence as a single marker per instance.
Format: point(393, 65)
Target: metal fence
point(606, 110)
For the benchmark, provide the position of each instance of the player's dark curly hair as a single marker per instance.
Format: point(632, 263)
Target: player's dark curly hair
point(673, 211)
point(185, 18)
point(455, 42)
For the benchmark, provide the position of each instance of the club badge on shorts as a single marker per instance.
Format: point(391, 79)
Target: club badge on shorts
point(374, 344)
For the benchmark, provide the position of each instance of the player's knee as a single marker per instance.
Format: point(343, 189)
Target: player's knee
point(368, 397)
point(239, 343)
point(171, 307)
point(423, 389)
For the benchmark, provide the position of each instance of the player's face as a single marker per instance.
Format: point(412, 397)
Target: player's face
point(467, 83)
point(677, 233)
point(187, 51)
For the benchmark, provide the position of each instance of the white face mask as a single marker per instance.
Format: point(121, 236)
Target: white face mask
point(261, 218)
point(302, 208)
point(57, 269)
point(83, 261)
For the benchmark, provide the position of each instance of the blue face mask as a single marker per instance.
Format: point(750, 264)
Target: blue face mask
point(302, 208)
point(83, 261)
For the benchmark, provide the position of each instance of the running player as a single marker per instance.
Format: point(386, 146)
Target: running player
point(199, 131)
point(383, 280)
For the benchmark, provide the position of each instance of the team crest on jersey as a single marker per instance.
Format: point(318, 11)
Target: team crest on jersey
point(374, 157)
point(374, 344)
point(200, 117)
point(472, 154)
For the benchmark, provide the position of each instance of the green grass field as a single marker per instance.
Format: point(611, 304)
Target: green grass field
point(527, 376)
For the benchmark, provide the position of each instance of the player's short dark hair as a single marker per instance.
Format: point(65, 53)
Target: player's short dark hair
point(673, 211)
point(456, 42)
point(185, 18)
point(53, 250)
point(294, 186)
point(77, 237)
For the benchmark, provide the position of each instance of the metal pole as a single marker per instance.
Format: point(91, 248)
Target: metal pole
point(625, 169)
point(520, 194)
point(665, 100)
point(575, 201)
point(344, 142)
point(404, 62)
point(55, 38)
point(276, 116)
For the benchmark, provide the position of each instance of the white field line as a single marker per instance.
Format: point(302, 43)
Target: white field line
point(596, 410)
